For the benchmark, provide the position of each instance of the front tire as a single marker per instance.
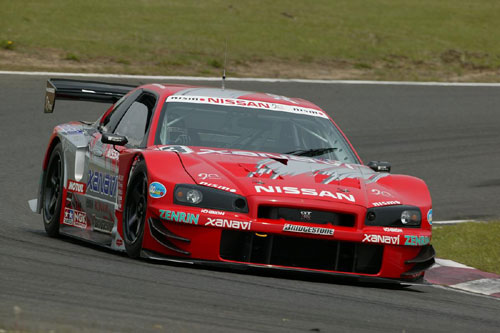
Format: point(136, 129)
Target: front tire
point(53, 191)
point(134, 214)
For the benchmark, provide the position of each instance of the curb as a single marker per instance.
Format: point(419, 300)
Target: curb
point(459, 276)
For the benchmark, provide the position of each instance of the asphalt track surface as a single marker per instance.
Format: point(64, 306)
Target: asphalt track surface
point(446, 135)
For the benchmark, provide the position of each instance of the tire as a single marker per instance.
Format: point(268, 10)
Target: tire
point(52, 192)
point(134, 214)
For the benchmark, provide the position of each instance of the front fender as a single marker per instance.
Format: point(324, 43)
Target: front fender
point(412, 191)
point(162, 166)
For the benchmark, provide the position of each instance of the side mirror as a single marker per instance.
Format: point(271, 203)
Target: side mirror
point(114, 139)
point(379, 166)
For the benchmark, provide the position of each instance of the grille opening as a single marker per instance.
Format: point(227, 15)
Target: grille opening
point(306, 216)
point(299, 252)
point(310, 253)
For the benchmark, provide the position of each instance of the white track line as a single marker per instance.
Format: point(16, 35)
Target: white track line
point(481, 286)
point(451, 222)
point(451, 263)
point(271, 80)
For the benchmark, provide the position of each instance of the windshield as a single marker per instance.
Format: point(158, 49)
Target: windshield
point(304, 133)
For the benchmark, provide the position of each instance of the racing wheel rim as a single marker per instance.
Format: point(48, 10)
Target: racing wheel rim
point(136, 207)
point(52, 192)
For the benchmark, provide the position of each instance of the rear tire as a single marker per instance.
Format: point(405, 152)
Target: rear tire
point(134, 214)
point(53, 191)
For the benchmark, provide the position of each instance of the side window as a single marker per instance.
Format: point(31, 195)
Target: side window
point(109, 123)
point(134, 123)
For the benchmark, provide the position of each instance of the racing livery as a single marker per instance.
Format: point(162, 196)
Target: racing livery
point(219, 176)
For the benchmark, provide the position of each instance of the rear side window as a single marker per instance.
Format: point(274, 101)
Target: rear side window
point(109, 123)
point(135, 122)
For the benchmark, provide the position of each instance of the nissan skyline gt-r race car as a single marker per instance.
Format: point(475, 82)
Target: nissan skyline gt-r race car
point(219, 176)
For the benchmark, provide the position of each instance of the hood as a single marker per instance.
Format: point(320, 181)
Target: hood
point(271, 174)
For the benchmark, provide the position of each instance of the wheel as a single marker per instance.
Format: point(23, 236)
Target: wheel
point(134, 214)
point(52, 192)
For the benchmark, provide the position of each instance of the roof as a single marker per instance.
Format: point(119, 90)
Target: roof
point(170, 89)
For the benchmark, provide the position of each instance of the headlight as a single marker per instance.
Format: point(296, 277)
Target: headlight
point(191, 195)
point(207, 197)
point(411, 217)
point(394, 216)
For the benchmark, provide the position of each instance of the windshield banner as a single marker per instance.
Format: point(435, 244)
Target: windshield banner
point(247, 104)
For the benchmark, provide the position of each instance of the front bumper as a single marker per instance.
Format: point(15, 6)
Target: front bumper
point(147, 254)
point(237, 239)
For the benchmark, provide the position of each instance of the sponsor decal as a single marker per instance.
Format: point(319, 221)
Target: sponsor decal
point(101, 183)
point(72, 201)
point(157, 190)
point(75, 218)
point(305, 215)
point(112, 154)
point(308, 230)
point(304, 191)
point(281, 98)
point(215, 100)
point(102, 225)
point(381, 239)
point(223, 223)
point(177, 149)
point(180, 217)
point(102, 207)
point(387, 229)
point(220, 187)
point(429, 216)
point(382, 193)
point(48, 104)
point(205, 151)
point(247, 104)
point(296, 165)
point(213, 212)
point(328, 170)
point(120, 191)
point(386, 203)
point(70, 129)
point(119, 242)
point(208, 176)
point(417, 240)
point(76, 187)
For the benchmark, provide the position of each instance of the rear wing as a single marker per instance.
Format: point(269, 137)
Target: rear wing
point(83, 91)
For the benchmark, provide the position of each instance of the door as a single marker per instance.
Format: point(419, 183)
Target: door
point(132, 121)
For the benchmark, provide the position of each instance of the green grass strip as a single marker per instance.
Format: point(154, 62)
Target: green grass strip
point(419, 39)
point(473, 244)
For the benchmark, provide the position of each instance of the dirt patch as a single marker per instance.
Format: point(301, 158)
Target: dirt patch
point(450, 67)
point(53, 61)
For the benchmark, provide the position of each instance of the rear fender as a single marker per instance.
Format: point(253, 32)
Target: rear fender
point(74, 145)
point(53, 141)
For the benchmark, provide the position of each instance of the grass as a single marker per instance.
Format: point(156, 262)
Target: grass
point(380, 39)
point(7, 44)
point(473, 244)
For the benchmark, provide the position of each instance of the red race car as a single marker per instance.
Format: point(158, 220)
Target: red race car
point(219, 176)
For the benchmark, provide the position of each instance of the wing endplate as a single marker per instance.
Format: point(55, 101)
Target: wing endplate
point(90, 91)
